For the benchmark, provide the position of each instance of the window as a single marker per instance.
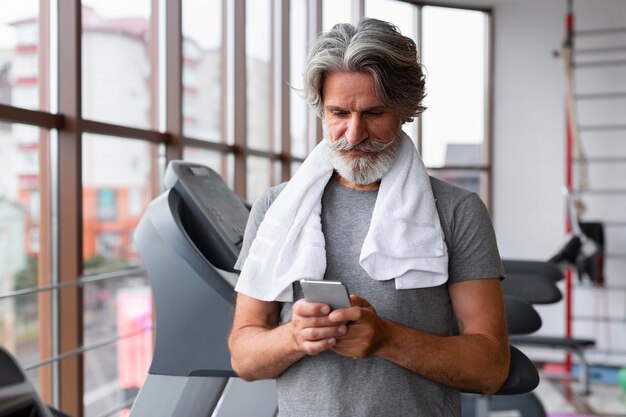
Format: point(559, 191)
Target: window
point(136, 202)
point(19, 54)
point(34, 205)
point(202, 69)
point(262, 173)
point(106, 208)
point(231, 102)
point(336, 11)
point(116, 62)
point(457, 85)
point(302, 137)
point(24, 319)
point(259, 79)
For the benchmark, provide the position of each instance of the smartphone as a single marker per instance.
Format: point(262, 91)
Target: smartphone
point(333, 293)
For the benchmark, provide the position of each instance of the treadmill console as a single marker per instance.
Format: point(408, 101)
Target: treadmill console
point(210, 210)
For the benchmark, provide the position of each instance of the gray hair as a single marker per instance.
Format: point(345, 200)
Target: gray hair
point(372, 47)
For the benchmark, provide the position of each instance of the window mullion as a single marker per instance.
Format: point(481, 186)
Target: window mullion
point(314, 131)
point(281, 103)
point(70, 303)
point(236, 91)
point(173, 71)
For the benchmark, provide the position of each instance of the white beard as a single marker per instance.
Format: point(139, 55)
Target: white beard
point(366, 169)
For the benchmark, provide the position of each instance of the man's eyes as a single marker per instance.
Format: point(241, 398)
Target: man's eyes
point(339, 113)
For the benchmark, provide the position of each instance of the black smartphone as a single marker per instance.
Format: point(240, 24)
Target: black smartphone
point(333, 293)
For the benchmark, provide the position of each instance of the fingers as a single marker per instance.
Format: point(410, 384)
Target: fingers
point(360, 341)
point(317, 340)
point(305, 308)
point(359, 302)
point(353, 331)
point(366, 330)
point(312, 330)
point(352, 314)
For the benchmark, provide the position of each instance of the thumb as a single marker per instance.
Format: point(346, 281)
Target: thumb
point(359, 302)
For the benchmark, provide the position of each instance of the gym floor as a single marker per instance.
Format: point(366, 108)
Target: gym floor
point(561, 399)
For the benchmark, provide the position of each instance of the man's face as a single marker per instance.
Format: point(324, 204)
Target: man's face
point(361, 130)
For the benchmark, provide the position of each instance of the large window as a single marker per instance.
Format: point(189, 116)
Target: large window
point(116, 62)
point(457, 87)
point(203, 83)
point(97, 96)
point(455, 126)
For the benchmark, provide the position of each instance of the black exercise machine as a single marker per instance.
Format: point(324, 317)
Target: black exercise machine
point(536, 282)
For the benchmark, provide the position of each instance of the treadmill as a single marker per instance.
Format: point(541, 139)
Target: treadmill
point(189, 239)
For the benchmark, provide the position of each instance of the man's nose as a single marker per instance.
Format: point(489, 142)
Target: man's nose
point(356, 132)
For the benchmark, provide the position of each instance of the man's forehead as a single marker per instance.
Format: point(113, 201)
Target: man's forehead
point(343, 89)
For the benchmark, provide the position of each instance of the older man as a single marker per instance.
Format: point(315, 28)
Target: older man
point(413, 250)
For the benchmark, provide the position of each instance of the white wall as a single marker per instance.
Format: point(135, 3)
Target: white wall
point(529, 148)
point(528, 128)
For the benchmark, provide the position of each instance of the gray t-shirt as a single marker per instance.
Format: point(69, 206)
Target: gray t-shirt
point(329, 384)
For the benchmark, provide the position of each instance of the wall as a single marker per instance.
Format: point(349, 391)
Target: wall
point(529, 151)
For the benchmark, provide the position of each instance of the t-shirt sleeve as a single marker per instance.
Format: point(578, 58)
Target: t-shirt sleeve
point(257, 213)
point(473, 249)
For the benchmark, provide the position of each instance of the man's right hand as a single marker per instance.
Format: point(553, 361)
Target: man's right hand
point(261, 348)
point(311, 328)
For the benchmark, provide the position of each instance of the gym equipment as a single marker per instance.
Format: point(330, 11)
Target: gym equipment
point(189, 239)
point(523, 377)
point(529, 280)
point(18, 397)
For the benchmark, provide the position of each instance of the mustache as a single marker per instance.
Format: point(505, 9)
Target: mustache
point(369, 145)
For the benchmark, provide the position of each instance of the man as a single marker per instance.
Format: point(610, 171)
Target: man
point(344, 217)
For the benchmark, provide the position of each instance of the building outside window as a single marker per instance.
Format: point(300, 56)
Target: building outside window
point(106, 204)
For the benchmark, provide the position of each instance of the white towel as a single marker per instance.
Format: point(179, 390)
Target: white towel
point(405, 241)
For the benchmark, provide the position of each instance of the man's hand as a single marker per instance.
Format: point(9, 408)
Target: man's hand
point(366, 330)
point(312, 329)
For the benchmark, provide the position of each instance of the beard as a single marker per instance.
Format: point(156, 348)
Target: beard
point(367, 169)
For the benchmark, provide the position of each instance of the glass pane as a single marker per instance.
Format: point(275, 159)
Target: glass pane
point(40, 377)
point(24, 326)
point(108, 302)
point(403, 15)
point(295, 166)
point(119, 176)
point(202, 69)
point(218, 161)
point(261, 173)
point(299, 115)
point(116, 308)
point(116, 62)
point(259, 80)
point(473, 180)
point(24, 241)
point(336, 11)
point(455, 68)
point(20, 78)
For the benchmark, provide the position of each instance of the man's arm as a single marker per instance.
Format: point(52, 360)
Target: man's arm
point(260, 348)
point(477, 359)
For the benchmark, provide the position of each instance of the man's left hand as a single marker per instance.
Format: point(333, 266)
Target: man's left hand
point(366, 330)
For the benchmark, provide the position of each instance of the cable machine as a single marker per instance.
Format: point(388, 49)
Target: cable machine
point(595, 192)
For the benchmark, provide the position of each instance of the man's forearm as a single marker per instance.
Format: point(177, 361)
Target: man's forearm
point(469, 361)
point(262, 353)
